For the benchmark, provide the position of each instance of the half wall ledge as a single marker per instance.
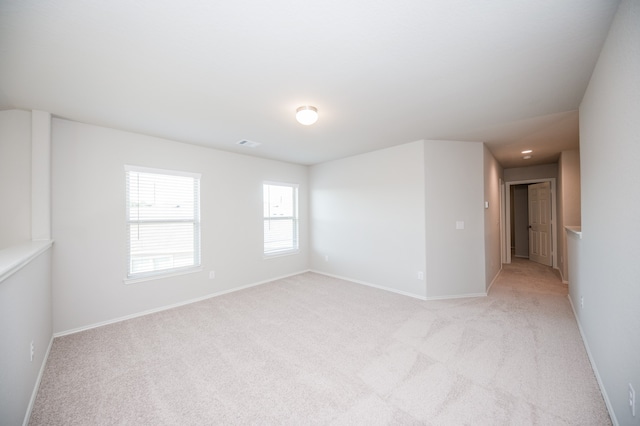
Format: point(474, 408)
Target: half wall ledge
point(14, 258)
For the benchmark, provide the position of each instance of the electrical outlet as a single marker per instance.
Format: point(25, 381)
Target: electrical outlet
point(212, 274)
point(33, 350)
point(326, 257)
point(420, 275)
point(632, 400)
point(581, 302)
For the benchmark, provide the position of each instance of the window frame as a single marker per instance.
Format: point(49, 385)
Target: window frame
point(295, 221)
point(197, 246)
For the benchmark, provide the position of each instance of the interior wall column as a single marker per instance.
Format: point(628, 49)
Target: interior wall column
point(40, 175)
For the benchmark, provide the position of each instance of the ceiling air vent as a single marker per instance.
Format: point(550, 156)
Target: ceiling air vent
point(248, 144)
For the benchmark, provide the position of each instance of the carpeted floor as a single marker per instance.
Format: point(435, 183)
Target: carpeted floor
point(316, 350)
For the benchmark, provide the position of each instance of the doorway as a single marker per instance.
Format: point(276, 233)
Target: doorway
point(520, 221)
point(510, 191)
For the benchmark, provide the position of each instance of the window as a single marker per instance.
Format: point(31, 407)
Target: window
point(280, 218)
point(163, 222)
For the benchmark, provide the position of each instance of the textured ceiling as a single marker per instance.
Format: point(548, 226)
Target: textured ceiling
point(381, 73)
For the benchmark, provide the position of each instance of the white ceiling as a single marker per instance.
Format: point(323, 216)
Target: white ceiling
point(381, 72)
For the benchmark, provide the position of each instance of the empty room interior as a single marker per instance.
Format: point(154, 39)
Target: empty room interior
point(320, 212)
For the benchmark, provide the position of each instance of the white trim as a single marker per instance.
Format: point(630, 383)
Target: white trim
point(174, 305)
point(276, 183)
point(564, 281)
point(457, 296)
point(503, 243)
point(140, 169)
point(403, 293)
point(379, 287)
point(281, 253)
point(14, 258)
point(494, 280)
point(603, 391)
point(160, 275)
point(36, 387)
point(574, 230)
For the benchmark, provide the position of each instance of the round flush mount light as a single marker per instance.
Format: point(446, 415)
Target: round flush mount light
point(527, 151)
point(526, 157)
point(307, 115)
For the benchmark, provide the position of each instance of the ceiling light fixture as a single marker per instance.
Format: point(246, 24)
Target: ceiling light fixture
point(307, 115)
point(527, 151)
point(526, 157)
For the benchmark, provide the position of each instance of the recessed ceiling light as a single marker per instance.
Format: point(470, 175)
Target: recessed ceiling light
point(526, 157)
point(527, 151)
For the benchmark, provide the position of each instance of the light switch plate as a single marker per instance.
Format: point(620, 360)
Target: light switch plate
point(459, 224)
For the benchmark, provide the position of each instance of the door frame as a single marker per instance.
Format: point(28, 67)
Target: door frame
point(507, 215)
point(503, 243)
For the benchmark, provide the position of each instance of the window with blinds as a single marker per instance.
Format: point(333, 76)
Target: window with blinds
point(163, 222)
point(280, 202)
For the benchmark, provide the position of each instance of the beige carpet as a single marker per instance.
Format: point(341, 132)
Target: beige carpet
point(316, 350)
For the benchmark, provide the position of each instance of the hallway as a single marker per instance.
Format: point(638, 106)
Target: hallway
point(524, 272)
point(552, 354)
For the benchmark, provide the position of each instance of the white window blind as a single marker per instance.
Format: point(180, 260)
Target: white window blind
point(163, 221)
point(280, 218)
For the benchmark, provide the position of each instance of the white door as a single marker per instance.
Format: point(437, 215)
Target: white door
point(540, 223)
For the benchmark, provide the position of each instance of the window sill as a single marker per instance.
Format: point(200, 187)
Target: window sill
point(161, 276)
point(281, 254)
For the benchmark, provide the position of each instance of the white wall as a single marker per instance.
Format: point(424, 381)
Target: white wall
point(40, 175)
point(15, 177)
point(492, 245)
point(609, 267)
point(544, 171)
point(367, 215)
point(454, 191)
point(574, 249)
point(88, 222)
point(25, 293)
point(25, 316)
point(568, 203)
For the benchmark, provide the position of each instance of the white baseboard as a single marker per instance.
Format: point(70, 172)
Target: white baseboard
point(36, 386)
point(174, 305)
point(493, 281)
point(379, 287)
point(564, 281)
point(457, 296)
point(603, 391)
point(404, 293)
